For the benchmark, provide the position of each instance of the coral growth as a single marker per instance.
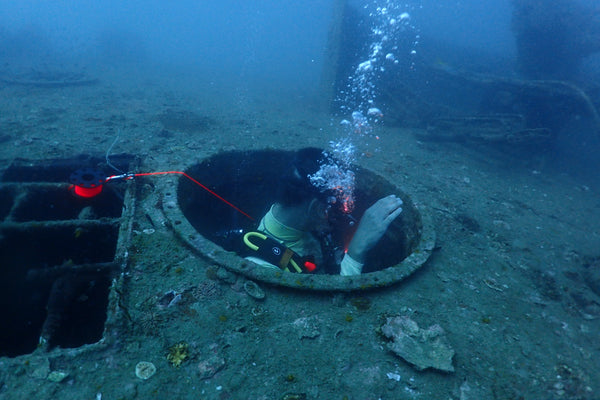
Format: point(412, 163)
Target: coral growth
point(178, 353)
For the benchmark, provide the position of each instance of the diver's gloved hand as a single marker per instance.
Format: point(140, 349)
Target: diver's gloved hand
point(373, 225)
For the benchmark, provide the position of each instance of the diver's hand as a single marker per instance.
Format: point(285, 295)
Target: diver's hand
point(373, 225)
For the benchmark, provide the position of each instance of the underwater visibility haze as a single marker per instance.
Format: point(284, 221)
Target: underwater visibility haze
point(138, 138)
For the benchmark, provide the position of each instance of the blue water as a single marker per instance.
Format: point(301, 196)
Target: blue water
point(438, 96)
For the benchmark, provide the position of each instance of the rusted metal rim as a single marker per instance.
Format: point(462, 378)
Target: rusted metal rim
point(416, 232)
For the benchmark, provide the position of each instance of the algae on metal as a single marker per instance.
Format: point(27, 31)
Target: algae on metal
point(419, 238)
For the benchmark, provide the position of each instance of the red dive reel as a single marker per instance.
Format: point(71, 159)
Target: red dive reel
point(88, 182)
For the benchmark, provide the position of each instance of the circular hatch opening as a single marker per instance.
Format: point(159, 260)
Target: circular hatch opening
point(249, 181)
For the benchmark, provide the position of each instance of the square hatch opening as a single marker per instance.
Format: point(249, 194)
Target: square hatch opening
point(60, 254)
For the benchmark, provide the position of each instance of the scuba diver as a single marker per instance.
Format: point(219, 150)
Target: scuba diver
point(315, 194)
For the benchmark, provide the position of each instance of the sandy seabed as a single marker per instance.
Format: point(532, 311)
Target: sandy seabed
point(508, 282)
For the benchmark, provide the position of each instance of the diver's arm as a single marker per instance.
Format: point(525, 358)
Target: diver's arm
point(350, 266)
point(372, 226)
